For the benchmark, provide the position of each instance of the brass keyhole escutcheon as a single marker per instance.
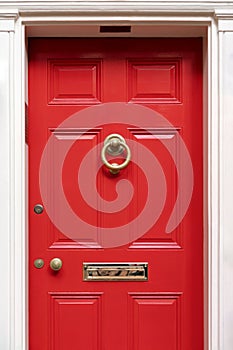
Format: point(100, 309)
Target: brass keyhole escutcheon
point(39, 263)
point(56, 264)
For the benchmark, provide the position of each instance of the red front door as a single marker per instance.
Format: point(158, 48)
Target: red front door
point(131, 243)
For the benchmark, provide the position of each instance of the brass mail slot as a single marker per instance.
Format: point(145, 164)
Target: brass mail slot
point(115, 271)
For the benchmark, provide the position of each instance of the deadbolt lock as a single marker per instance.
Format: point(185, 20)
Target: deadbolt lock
point(38, 208)
point(39, 263)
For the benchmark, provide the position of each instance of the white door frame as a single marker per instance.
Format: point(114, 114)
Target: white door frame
point(13, 249)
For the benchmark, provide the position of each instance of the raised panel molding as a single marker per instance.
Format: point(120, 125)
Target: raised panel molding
point(155, 318)
point(154, 80)
point(161, 240)
point(57, 240)
point(76, 316)
point(74, 81)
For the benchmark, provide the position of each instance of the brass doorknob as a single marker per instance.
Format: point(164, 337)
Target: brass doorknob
point(56, 264)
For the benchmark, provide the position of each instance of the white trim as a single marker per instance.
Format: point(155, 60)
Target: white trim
point(8, 25)
point(226, 188)
point(5, 190)
point(213, 194)
point(19, 238)
point(7, 20)
point(9, 14)
point(220, 241)
point(173, 6)
point(225, 25)
point(42, 13)
point(225, 19)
